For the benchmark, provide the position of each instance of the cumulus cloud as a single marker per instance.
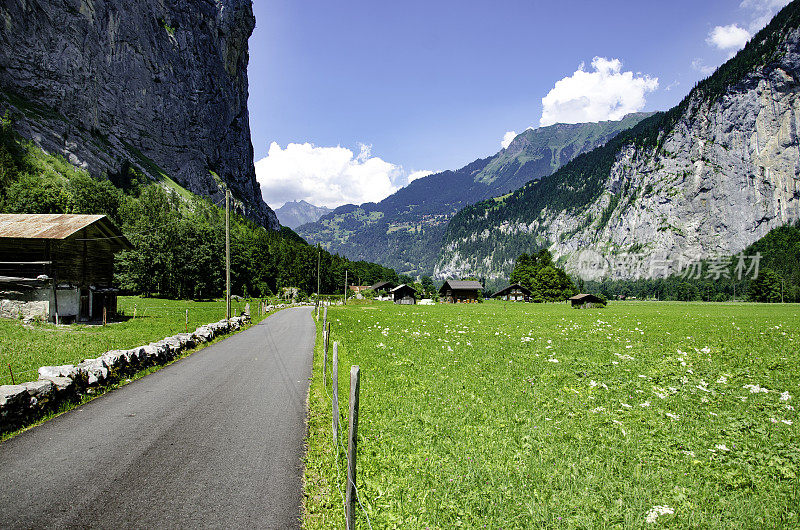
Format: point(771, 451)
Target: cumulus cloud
point(508, 137)
point(728, 38)
point(605, 93)
point(327, 176)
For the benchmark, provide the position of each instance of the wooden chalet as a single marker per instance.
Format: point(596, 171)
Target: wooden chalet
point(460, 291)
point(58, 265)
point(404, 294)
point(513, 293)
point(586, 301)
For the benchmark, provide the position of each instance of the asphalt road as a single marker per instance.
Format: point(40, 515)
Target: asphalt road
point(214, 440)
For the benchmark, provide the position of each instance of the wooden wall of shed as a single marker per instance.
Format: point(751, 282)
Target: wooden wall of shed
point(83, 259)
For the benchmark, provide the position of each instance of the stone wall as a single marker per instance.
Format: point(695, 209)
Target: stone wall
point(22, 403)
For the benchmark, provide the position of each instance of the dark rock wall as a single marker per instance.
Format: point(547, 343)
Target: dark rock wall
point(160, 85)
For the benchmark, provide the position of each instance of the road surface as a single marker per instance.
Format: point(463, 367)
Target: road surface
point(214, 440)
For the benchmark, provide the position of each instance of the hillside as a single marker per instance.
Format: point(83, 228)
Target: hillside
point(709, 177)
point(404, 231)
point(296, 213)
point(159, 86)
point(178, 237)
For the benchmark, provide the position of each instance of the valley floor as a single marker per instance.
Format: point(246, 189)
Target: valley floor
point(510, 415)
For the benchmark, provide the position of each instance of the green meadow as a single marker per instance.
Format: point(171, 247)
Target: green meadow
point(510, 415)
point(26, 347)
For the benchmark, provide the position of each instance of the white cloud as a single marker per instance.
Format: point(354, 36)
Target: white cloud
point(702, 67)
point(414, 175)
point(508, 137)
point(762, 11)
point(327, 176)
point(606, 93)
point(729, 38)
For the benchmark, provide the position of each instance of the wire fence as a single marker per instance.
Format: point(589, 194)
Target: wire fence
point(335, 432)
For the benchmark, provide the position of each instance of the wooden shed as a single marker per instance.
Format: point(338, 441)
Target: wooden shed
point(455, 291)
point(513, 293)
point(58, 264)
point(586, 301)
point(404, 294)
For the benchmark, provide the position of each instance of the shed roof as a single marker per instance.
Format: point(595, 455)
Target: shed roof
point(58, 226)
point(380, 285)
point(583, 297)
point(463, 285)
point(510, 288)
point(403, 287)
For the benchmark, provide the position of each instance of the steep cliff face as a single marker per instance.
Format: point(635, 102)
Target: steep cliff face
point(708, 178)
point(160, 85)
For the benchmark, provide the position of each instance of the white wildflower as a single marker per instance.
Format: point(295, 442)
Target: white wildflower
point(785, 396)
point(625, 405)
point(773, 420)
point(701, 387)
point(592, 383)
point(552, 360)
point(688, 453)
point(656, 511)
point(722, 447)
point(673, 416)
point(722, 380)
point(787, 422)
point(755, 389)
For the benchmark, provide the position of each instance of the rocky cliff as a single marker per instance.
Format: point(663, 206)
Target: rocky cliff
point(704, 179)
point(158, 85)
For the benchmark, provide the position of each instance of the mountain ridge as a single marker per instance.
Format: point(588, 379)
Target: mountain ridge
point(296, 213)
point(404, 230)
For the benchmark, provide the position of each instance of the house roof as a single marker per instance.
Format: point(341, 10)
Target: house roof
point(380, 285)
point(583, 297)
point(403, 287)
point(464, 285)
point(58, 226)
point(510, 288)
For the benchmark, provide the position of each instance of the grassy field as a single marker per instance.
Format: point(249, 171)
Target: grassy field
point(27, 347)
point(504, 415)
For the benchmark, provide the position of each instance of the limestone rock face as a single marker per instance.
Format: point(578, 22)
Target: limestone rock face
point(726, 174)
point(159, 85)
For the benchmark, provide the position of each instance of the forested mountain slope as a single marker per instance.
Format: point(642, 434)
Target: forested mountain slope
point(404, 231)
point(708, 177)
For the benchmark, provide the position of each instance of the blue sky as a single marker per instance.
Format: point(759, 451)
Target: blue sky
point(370, 92)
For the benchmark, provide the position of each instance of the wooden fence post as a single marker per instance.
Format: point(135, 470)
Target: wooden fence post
point(104, 315)
point(335, 387)
point(352, 495)
point(325, 341)
point(325, 318)
point(187, 321)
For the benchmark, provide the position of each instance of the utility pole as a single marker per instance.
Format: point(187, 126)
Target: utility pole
point(345, 286)
point(227, 254)
point(319, 254)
